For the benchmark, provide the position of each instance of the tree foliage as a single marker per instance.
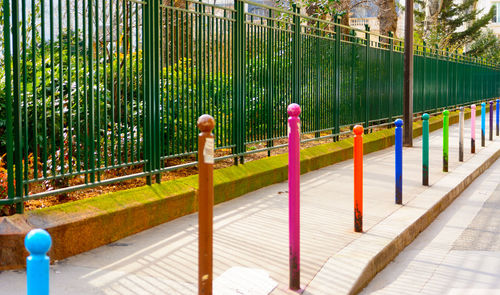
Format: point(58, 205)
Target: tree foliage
point(456, 25)
point(487, 46)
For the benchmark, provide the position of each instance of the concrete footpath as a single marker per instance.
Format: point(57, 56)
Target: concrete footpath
point(251, 232)
point(459, 253)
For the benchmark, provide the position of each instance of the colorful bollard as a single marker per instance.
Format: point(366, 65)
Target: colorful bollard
point(491, 120)
point(473, 128)
point(446, 121)
point(399, 160)
point(294, 194)
point(358, 178)
point(37, 242)
point(205, 203)
point(461, 135)
point(498, 116)
point(483, 127)
point(425, 149)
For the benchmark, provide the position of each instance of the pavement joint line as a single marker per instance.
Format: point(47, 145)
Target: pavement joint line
point(388, 247)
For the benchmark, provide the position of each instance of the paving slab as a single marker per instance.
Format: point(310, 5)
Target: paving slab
point(251, 232)
point(458, 253)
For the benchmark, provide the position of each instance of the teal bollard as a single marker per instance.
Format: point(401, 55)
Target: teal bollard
point(425, 149)
point(37, 242)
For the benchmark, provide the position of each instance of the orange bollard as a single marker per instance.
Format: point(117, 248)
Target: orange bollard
point(358, 178)
point(205, 203)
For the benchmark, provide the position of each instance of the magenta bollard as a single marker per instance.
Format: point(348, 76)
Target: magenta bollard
point(473, 128)
point(294, 193)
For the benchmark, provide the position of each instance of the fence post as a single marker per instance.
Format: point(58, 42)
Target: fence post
point(270, 88)
point(498, 118)
point(491, 120)
point(446, 115)
point(473, 128)
point(239, 81)
point(461, 135)
point(151, 95)
point(205, 203)
point(337, 77)
point(38, 243)
point(483, 123)
point(399, 160)
point(424, 81)
point(391, 75)
point(367, 79)
point(296, 55)
point(425, 149)
point(294, 193)
point(358, 178)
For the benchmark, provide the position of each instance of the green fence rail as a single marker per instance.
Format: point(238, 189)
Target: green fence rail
point(101, 91)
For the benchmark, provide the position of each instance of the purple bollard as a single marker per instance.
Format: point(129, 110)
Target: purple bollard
point(473, 128)
point(294, 193)
point(491, 120)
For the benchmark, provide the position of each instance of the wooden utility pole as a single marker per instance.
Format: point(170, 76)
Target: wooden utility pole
point(408, 76)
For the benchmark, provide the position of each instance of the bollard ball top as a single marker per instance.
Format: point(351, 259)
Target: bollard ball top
point(358, 129)
point(461, 109)
point(206, 123)
point(498, 100)
point(473, 106)
point(425, 116)
point(38, 241)
point(398, 123)
point(491, 102)
point(446, 113)
point(483, 104)
point(293, 110)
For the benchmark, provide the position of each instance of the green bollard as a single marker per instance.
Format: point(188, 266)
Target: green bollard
point(446, 118)
point(425, 149)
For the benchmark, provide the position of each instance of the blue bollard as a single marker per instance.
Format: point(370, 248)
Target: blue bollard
point(37, 242)
point(498, 118)
point(483, 127)
point(399, 161)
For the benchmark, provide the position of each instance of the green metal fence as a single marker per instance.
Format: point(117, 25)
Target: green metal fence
point(95, 88)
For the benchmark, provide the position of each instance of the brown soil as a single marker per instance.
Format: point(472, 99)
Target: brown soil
point(141, 181)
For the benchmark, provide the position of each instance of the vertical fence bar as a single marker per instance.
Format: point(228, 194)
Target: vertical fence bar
point(461, 135)
point(358, 178)
point(425, 149)
point(17, 124)
point(294, 193)
point(399, 160)
point(38, 243)
point(367, 79)
point(483, 123)
point(205, 203)
point(491, 120)
point(473, 129)
point(446, 115)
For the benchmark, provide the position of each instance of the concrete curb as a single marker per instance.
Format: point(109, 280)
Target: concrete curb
point(350, 270)
point(83, 225)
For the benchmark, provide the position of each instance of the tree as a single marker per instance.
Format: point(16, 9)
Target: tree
point(387, 16)
point(486, 46)
point(454, 26)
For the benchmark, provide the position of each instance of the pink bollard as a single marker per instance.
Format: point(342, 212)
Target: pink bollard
point(473, 128)
point(294, 193)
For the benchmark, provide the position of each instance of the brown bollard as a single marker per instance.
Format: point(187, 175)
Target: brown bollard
point(205, 203)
